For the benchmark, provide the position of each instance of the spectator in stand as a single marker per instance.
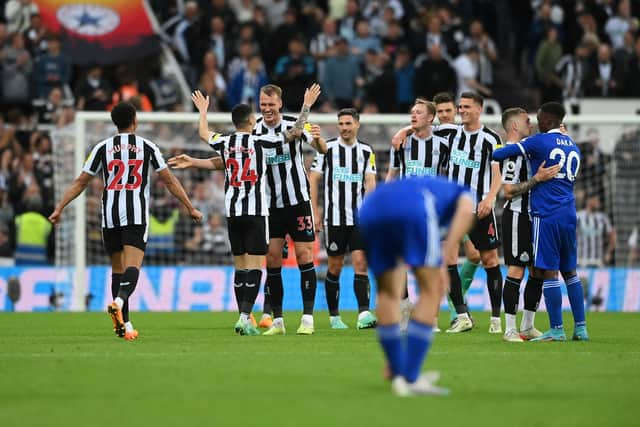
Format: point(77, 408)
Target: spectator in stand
point(36, 36)
point(435, 36)
point(243, 10)
point(596, 237)
point(622, 58)
point(380, 82)
point(405, 73)
point(187, 40)
point(56, 110)
point(162, 90)
point(394, 39)
point(548, 55)
point(240, 62)
point(538, 27)
point(221, 9)
point(603, 76)
point(209, 243)
point(129, 90)
point(380, 23)
point(16, 72)
point(217, 42)
point(245, 87)
point(276, 11)
point(18, 14)
point(279, 39)
point(594, 166)
point(212, 83)
point(342, 78)
point(434, 75)
point(632, 85)
point(23, 180)
point(52, 69)
point(294, 73)
point(347, 23)
point(4, 34)
point(323, 45)
point(364, 41)
point(572, 70)
point(93, 92)
point(466, 66)
point(618, 25)
point(43, 167)
point(486, 49)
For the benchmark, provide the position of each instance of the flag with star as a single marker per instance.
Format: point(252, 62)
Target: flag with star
point(101, 31)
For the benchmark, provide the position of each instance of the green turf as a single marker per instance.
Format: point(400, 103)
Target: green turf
point(68, 369)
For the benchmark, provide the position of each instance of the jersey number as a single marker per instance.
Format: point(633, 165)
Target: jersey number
point(304, 223)
point(573, 163)
point(247, 175)
point(121, 168)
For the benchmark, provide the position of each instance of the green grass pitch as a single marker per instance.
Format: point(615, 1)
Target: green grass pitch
point(68, 369)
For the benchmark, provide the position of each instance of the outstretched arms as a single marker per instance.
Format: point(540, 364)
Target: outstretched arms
point(202, 104)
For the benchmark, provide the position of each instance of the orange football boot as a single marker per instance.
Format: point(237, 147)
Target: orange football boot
point(116, 317)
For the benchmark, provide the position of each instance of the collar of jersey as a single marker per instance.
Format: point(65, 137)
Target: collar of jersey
point(557, 130)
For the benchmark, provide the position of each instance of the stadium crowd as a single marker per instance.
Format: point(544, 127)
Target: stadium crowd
point(374, 55)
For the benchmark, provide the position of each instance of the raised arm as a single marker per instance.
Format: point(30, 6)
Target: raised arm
point(175, 188)
point(311, 95)
point(77, 187)
point(202, 104)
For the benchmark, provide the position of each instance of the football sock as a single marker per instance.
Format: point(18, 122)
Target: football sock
point(239, 279)
point(455, 291)
point(275, 289)
point(128, 326)
point(576, 299)
point(467, 272)
point(419, 337)
point(391, 340)
point(116, 278)
point(361, 289)
point(527, 319)
point(128, 283)
point(494, 286)
point(553, 300)
point(332, 289)
point(251, 290)
point(532, 294)
point(308, 285)
point(119, 302)
point(511, 294)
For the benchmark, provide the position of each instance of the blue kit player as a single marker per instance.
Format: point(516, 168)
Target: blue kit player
point(402, 222)
point(553, 212)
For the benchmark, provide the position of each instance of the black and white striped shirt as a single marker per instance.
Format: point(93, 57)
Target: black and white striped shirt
point(244, 159)
point(344, 168)
point(421, 156)
point(126, 161)
point(593, 229)
point(287, 182)
point(514, 171)
point(470, 161)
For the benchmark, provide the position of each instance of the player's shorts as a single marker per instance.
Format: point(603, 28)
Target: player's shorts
point(248, 234)
point(114, 239)
point(296, 221)
point(554, 243)
point(341, 239)
point(484, 234)
point(516, 238)
point(393, 229)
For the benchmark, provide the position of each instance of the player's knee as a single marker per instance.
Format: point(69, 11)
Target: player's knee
point(489, 258)
point(334, 265)
point(304, 254)
point(515, 272)
point(474, 257)
point(274, 260)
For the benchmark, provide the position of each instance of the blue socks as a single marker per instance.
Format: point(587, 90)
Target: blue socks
point(419, 337)
point(553, 299)
point(406, 355)
point(392, 343)
point(576, 299)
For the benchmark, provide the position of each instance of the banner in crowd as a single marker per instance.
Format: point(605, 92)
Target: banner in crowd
point(101, 31)
point(211, 289)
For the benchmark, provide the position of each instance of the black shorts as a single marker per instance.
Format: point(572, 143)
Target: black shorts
point(484, 234)
point(296, 221)
point(342, 239)
point(248, 234)
point(516, 238)
point(114, 239)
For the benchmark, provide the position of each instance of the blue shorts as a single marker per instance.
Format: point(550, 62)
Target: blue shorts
point(554, 243)
point(395, 229)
